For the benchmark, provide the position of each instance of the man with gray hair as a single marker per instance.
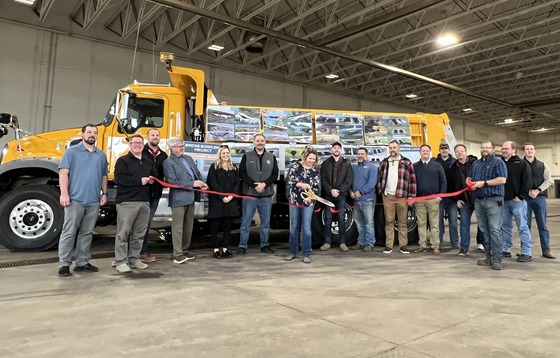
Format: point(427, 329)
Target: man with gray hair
point(180, 169)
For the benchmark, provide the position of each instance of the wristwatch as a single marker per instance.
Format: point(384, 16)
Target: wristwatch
point(103, 193)
point(485, 183)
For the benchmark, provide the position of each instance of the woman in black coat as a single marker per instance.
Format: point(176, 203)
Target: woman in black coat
point(223, 176)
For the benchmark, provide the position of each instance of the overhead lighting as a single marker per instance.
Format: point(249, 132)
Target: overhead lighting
point(446, 40)
point(467, 109)
point(411, 96)
point(25, 2)
point(543, 129)
point(331, 76)
point(216, 48)
point(509, 121)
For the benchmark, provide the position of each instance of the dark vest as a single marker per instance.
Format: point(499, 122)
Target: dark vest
point(537, 168)
point(258, 174)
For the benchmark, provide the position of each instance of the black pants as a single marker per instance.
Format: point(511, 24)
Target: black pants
point(214, 229)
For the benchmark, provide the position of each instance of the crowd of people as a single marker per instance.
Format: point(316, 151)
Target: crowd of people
point(498, 190)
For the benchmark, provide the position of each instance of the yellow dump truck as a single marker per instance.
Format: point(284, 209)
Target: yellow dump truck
point(30, 214)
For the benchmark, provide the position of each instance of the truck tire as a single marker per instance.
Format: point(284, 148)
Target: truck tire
point(31, 218)
point(318, 237)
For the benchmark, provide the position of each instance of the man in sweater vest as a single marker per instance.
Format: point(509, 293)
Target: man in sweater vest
point(430, 179)
point(541, 180)
point(258, 172)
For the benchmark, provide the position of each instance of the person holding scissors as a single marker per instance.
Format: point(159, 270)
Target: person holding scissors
point(304, 180)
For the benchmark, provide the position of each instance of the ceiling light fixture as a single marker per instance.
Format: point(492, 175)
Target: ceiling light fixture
point(543, 129)
point(467, 109)
point(446, 40)
point(216, 48)
point(25, 2)
point(331, 76)
point(509, 121)
point(411, 96)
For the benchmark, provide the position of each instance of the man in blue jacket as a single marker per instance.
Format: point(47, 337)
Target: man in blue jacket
point(430, 179)
point(363, 193)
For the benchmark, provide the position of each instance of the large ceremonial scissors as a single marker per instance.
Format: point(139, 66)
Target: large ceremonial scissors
point(309, 194)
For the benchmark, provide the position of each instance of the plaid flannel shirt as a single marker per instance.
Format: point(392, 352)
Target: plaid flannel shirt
point(406, 183)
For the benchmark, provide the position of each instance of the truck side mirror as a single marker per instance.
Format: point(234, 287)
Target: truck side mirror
point(5, 118)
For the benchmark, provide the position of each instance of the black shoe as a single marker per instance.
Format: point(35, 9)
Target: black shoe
point(227, 254)
point(524, 258)
point(86, 268)
point(217, 254)
point(506, 254)
point(485, 261)
point(64, 271)
point(267, 250)
point(241, 251)
point(496, 265)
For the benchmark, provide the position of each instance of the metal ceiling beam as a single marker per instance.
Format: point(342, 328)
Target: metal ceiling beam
point(417, 6)
point(42, 8)
point(285, 37)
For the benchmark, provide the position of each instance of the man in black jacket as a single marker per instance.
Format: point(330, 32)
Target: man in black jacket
point(336, 180)
point(447, 204)
point(458, 174)
point(518, 184)
point(153, 153)
point(132, 176)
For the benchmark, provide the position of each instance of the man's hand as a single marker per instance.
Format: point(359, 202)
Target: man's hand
point(335, 193)
point(534, 193)
point(103, 200)
point(200, 184)
point(65, 200)
point(260, 187)
point(227, 199)
point(460, 203)
point(145, 180)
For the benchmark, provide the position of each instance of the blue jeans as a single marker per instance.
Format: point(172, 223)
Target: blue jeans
point(538, 205)
point(153, 207)
point(451, 206)
point(489, 216)
point(466, 212)
point(516, 210)
point(300, 218)
point(249, 206)
point(364, 220)
point(339, 202)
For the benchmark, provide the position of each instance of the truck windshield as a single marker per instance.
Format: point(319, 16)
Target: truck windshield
point(109, 116)
point(143, 112)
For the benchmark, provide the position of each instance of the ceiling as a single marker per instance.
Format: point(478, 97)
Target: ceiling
point(506, 64)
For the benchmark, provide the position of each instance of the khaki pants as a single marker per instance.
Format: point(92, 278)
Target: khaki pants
point(181, 228)
point(400, 207)
point(132, 222)
point(428, 210)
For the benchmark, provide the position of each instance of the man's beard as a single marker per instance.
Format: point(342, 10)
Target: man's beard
point(154, 143)
point(90, 140)
point(393, 153)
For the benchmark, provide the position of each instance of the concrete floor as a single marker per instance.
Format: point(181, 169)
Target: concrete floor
point(351, 304)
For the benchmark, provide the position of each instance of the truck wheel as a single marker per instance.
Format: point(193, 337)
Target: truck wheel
point(318, 228)
point(31, 218)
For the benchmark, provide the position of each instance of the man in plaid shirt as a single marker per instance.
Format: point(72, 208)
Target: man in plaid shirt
point(396, 182)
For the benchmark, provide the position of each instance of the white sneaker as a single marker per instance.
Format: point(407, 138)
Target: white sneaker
point(114, 263)
point(480, 247)
point(139, 265)
point(122, 268)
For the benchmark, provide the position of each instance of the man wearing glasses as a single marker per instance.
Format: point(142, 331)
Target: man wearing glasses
point(180, 169)
point(132, 176)
point(488, 176)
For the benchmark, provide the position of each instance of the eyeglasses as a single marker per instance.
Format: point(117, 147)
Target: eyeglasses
point(178, 146)
point(224, 146)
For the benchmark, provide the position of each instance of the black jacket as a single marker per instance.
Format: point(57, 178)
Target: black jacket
point(446, 164)
point(458, 174)
point(519, 179)
point(129, 172)
point(224, 181)
point(155, 188)
point(344, 179)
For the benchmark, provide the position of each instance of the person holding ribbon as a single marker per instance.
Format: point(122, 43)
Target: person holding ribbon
point(180, 169)
point(302, 177)
point(223, 177)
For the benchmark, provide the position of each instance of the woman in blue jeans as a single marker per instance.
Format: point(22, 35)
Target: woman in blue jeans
point(302, 176)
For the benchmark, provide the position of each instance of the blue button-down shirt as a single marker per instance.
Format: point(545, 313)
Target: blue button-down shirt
point(488, 169)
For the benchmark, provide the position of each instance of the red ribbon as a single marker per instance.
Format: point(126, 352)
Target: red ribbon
point(175, 186)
